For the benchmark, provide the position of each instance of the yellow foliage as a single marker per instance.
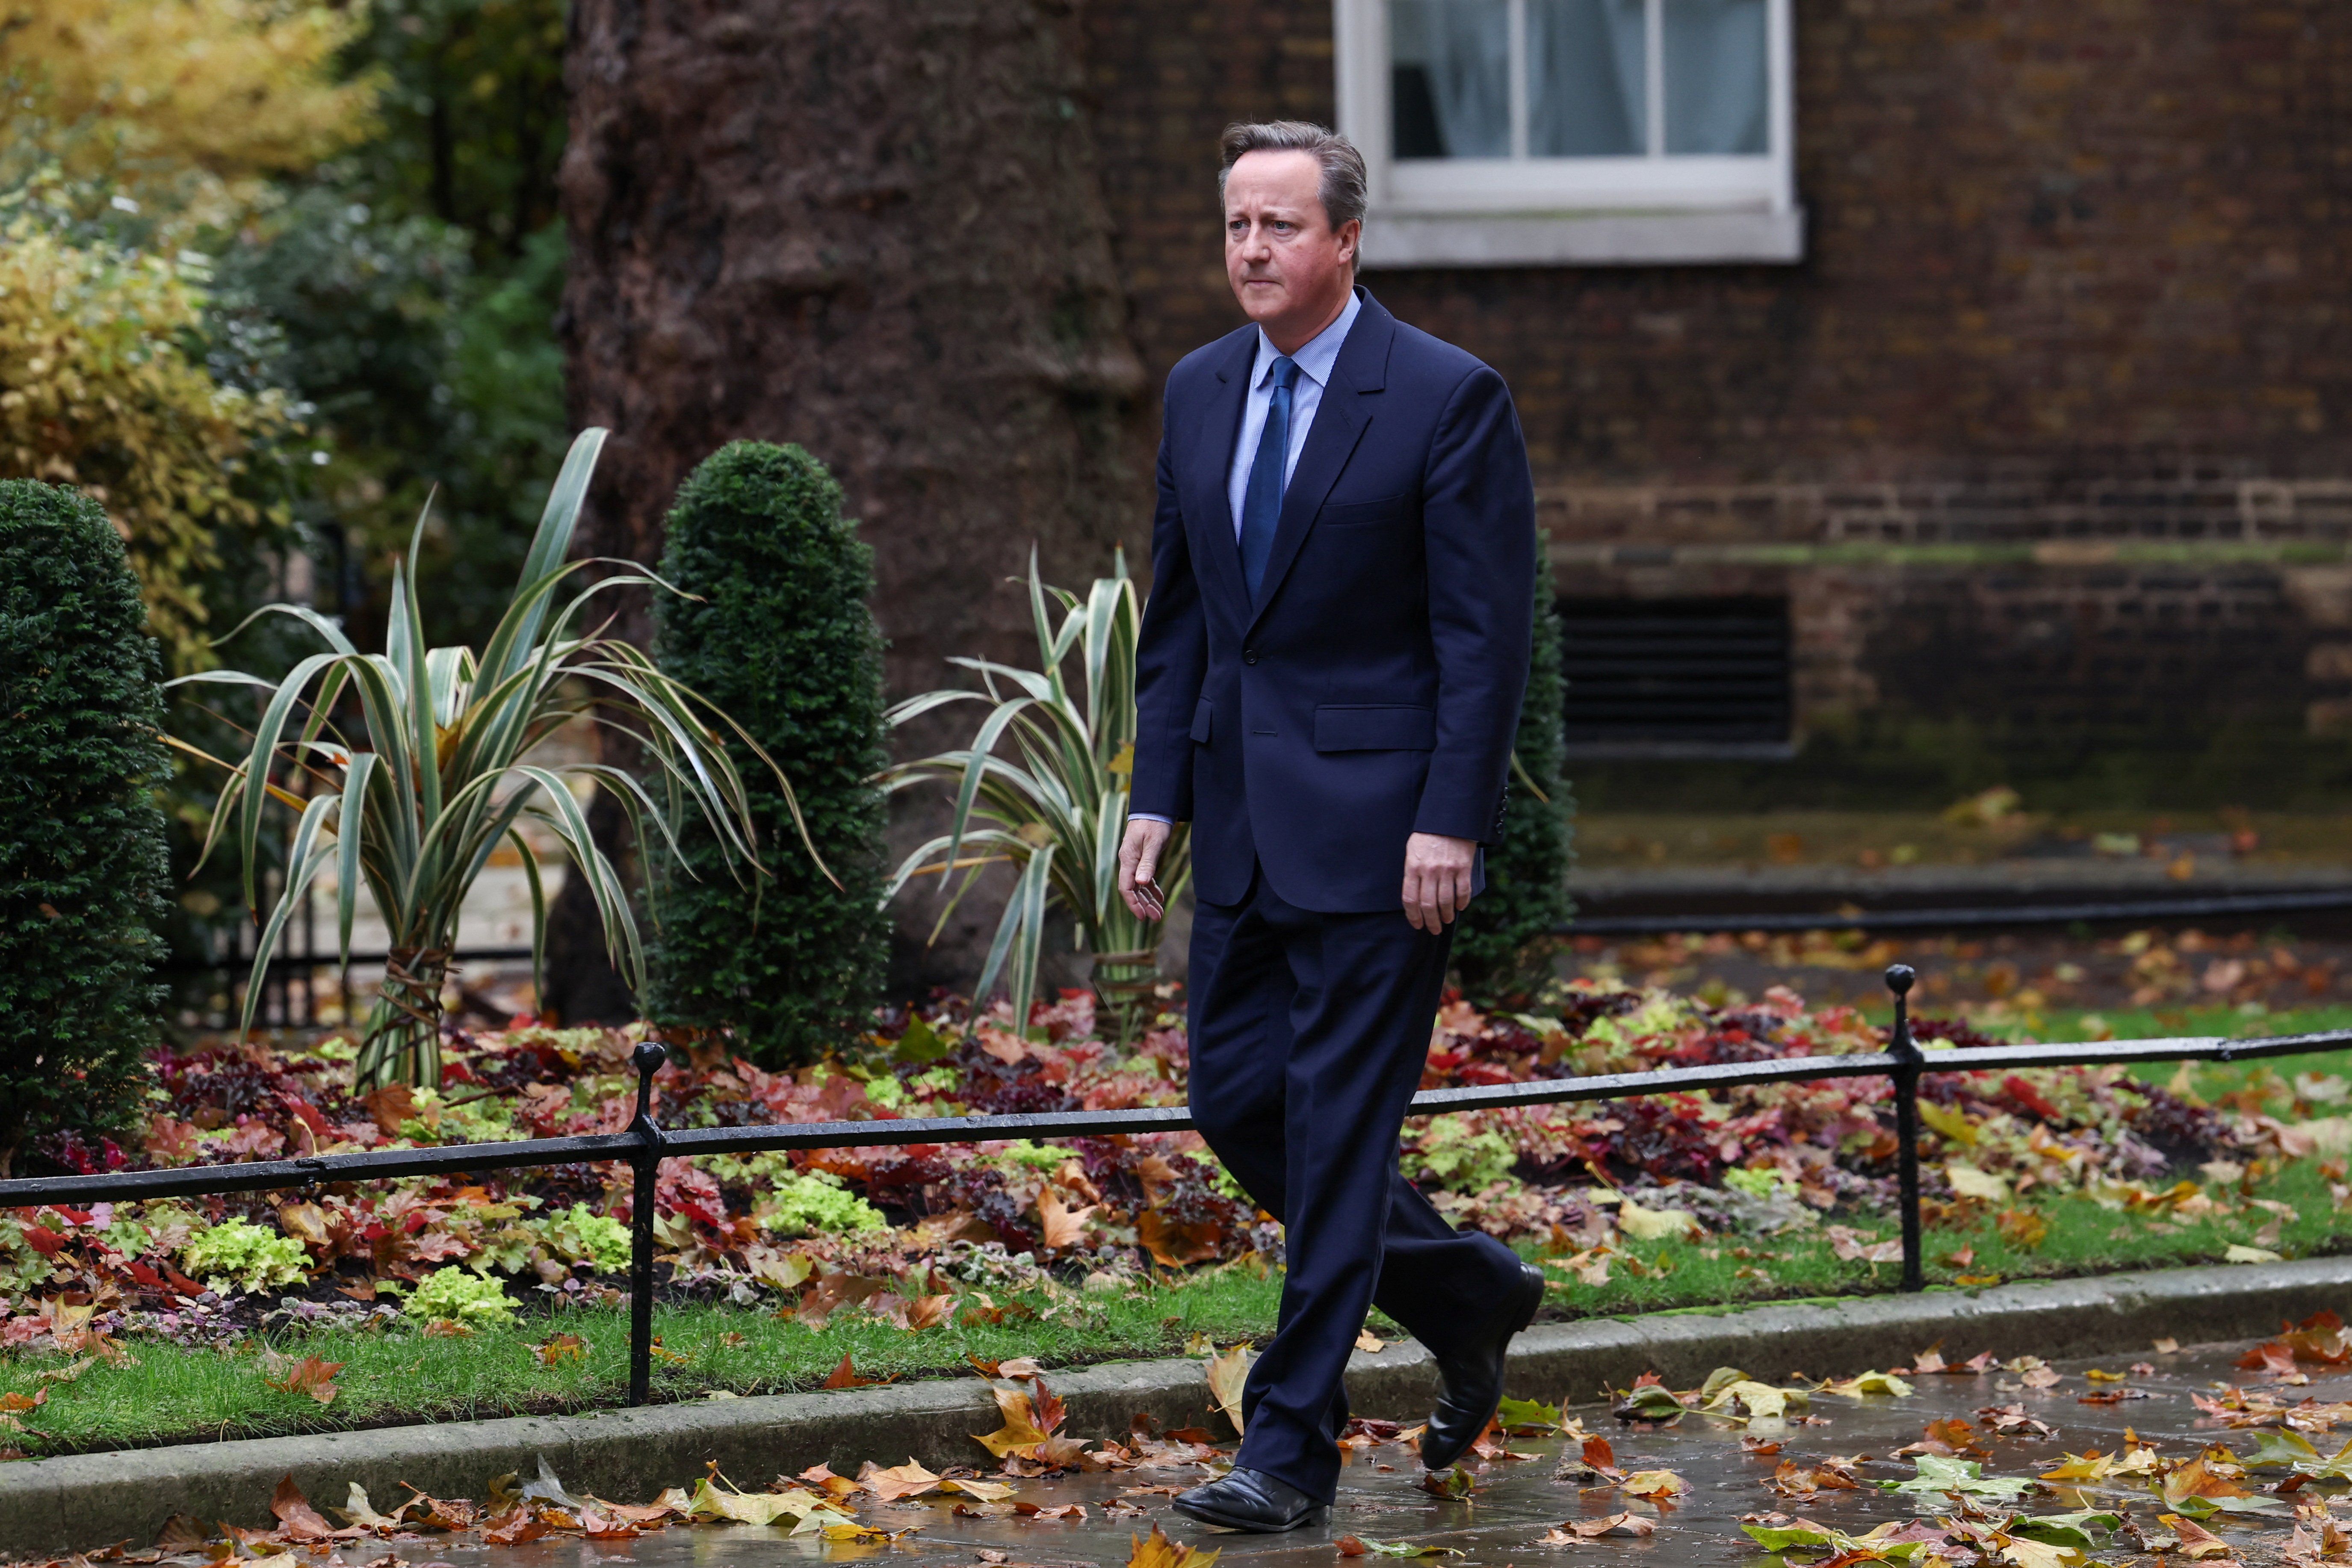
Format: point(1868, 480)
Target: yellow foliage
point(236, 88)
point(97, 391)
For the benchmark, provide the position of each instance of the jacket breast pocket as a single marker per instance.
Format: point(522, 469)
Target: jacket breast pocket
point(1355, 513)
point(1366, 728)
point(1201, 721)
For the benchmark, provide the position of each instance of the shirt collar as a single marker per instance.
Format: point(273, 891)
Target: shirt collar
point(1317, 355)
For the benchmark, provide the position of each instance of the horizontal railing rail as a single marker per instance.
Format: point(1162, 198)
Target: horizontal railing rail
point(1973, 917)
point(647, 1143)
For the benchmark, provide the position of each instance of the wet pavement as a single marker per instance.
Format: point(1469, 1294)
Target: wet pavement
point(1520, 1500)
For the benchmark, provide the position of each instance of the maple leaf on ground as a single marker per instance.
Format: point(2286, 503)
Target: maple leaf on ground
point(2197, 1542)
point(15, 1402)
point(909, 1479)
point(301, 1523)
point(1654, 1484)
point(1578, 1532)
point(1791, 1479)
point(1061, 1227)
point(1228, 1373)
point(1358, 1546)
point(2272, 1358)
point(2196, 1488)
point(181, 1532)
point(437, 1514)
point(1455, 1482)
point(1936, 1473)
point(846, 1376)
point(1076, 1510)
point(514, 1526)
point(1527, 1417)
point(1759, 1446)
point(360, 1513)
point(2012, 1421)
point(1022, 1430)
point(1158, 1551)
point(1020, 1366)
point(1596, 1461)
point(1172, 1243)
point(1869, 1383)
point(1948, 1437)
point(556, 1349)
point(310, 1375)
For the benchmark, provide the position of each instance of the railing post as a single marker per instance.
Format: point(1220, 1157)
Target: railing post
point(1906, 1052)
point(648, 1058)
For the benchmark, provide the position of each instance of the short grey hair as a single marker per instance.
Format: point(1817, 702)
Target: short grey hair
point(1343, 191)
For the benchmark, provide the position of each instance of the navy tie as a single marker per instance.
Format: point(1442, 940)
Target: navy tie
point(1262, 498)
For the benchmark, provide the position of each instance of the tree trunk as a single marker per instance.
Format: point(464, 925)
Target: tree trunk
point(875, 227)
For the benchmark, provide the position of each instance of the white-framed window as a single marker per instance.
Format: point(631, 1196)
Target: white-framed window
point(1510, 132)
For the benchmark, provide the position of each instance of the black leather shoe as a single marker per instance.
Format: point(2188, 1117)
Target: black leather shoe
point(1252, 1500)
point(1470, 1377)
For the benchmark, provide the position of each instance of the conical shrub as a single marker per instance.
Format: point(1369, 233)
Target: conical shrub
point(776, 633)
point(83, 866)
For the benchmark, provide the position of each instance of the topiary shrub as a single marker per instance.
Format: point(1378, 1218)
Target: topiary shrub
point(82, 858)
point(1502, 946)
point(778, 634)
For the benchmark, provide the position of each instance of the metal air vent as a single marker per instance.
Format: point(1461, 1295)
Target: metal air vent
point(1699, 677)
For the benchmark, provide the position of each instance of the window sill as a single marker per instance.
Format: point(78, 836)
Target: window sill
point(1402, 240)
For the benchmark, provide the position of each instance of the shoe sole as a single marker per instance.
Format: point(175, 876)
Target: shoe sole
point(1314, 1518)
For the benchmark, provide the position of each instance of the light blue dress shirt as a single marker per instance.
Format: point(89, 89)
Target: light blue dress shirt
point(1315, 359)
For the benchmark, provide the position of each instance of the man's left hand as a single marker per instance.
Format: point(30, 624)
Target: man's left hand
point(1437, 879)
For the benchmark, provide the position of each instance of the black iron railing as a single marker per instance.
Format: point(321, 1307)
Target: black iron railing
point(646, 1144)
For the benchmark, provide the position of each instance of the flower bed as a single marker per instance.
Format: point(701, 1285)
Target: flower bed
point(913, 1234)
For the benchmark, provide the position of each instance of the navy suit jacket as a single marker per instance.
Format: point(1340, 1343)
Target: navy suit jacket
point(1372, 690)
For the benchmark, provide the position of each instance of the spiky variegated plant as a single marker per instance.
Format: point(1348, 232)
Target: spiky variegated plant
point(1060, 811)
point(413, 805)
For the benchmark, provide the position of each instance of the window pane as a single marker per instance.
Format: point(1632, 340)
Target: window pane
point(1586, 87)
point(1450, 82)
point(1715, 76)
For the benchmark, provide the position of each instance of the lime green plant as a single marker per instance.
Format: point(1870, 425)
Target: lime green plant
point(411, 806)
point(1057, 809)
point(815, 1203)
point(580, 1232)
point(239, 1252)
point(460, 1296)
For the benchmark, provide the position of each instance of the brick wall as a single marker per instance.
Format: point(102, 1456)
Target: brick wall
point(2076, 280)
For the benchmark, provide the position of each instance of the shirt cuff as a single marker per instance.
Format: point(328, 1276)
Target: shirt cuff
point(1151, 816)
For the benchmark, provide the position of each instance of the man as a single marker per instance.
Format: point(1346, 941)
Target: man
point(1327, 686)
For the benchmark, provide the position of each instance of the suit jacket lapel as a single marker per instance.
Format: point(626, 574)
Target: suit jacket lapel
point(1212, 464)
point(1340, 421)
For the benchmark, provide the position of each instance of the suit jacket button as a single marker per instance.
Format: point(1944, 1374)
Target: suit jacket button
point(1249, 656)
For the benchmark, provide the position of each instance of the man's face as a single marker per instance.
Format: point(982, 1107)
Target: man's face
point(1289, 269)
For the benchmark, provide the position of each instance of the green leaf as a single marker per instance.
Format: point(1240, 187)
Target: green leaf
point(1399, 1548)
point(1940, 1473)
point(919, 1043)
point(1650, 1402)
point(1527, 1417)
point(2279, 1450)
point(2075, 1530)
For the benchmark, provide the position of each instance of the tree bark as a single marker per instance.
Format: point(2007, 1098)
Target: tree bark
point(875, 227)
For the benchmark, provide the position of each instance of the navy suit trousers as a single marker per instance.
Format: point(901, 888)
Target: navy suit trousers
point(1308, 1036)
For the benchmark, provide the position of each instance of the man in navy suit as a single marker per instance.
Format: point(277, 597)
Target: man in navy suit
point(1328, 682)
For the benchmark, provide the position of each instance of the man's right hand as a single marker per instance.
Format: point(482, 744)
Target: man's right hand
point(1139, 864)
